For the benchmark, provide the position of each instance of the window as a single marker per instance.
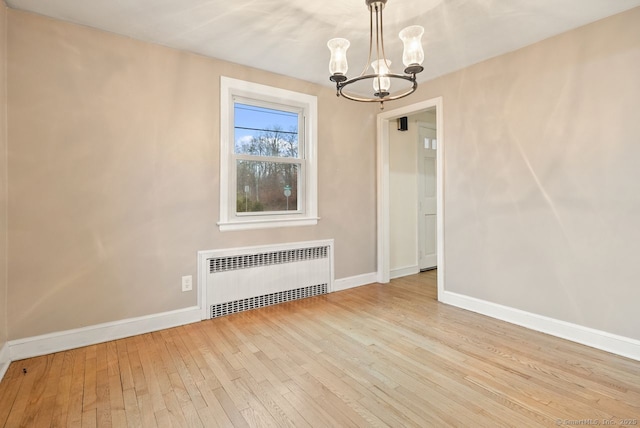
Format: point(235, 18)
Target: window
point(268, 167)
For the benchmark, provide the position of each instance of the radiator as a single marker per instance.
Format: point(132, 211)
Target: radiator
point(247, 278)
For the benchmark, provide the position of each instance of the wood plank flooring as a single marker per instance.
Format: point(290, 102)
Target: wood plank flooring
point(373, 356)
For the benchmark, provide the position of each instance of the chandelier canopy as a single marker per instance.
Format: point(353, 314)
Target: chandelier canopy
point(382, 77)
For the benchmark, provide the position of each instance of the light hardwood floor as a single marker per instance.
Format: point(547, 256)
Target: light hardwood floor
point(378, 355)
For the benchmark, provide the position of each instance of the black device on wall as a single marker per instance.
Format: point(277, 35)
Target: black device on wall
point(403, 124)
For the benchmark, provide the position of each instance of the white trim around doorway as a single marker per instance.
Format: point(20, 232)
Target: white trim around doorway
point(383, 232)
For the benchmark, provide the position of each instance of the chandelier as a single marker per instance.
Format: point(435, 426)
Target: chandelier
point(381, 78)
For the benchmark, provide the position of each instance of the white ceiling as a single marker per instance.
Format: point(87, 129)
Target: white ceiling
point(289, 36)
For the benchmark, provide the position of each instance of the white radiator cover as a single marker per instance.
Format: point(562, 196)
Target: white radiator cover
point(238, 279)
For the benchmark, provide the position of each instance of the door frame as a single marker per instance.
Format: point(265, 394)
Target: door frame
point(383, 209)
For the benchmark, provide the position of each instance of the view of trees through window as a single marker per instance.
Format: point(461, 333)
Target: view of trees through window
point(267, 157)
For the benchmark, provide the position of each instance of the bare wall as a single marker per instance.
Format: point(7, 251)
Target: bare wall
point(113, 175)
point(542, 185)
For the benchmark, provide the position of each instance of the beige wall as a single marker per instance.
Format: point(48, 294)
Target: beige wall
point(542, 190)
point(3, 177)
point(113, 175)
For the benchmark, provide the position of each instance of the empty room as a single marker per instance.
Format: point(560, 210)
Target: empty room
point(354, 213)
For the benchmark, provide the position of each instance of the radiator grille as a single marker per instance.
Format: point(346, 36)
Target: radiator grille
point(249, 303)
point(228, 263)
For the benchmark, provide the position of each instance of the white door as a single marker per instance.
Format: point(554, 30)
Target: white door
point(427, 234)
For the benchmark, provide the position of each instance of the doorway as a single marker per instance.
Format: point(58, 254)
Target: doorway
point(385, 123)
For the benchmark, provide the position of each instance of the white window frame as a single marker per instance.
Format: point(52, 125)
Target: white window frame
point(307, 213)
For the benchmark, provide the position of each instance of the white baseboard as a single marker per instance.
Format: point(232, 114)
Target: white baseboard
point(5, 359)
point(405, 271)
point(620, 345)
point(354, 281)
point(70, 339)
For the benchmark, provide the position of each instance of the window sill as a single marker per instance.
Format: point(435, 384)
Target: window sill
point(266, 223)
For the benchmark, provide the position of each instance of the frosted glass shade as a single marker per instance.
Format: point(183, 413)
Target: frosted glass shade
point(338, 62)
point(413, 53)
point(381, 84)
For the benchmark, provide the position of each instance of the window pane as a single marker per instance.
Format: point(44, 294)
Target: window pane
point(262, 131)
point(266, 186)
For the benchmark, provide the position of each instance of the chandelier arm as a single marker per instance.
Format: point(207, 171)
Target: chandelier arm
point(366, 64)
point(384, 56)
point(412, 78)
point(379, 19)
